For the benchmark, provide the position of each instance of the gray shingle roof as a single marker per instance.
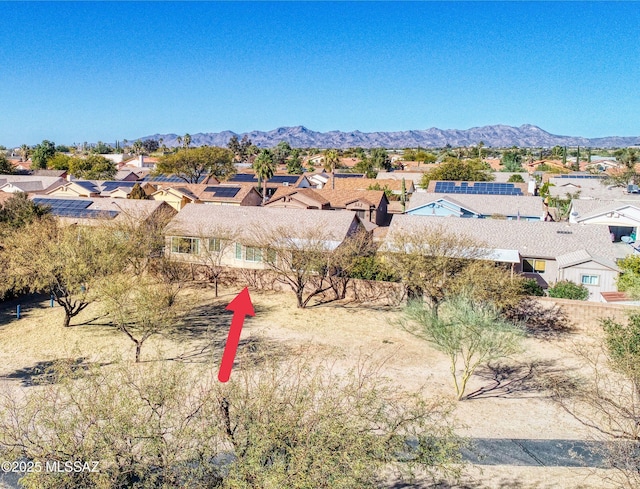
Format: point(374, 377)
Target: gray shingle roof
point(530, 238)
point(484, 204)
point(590, 207)
point(249, 222)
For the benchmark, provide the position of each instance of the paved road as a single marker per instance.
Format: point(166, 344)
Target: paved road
point(550, 453)
point(499, 451)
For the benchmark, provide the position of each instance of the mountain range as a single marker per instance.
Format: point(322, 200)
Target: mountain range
point(526, 135)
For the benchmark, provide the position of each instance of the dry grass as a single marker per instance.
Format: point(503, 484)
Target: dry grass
point(346, 333)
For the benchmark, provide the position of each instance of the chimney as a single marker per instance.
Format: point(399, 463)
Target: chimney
point(140, 161)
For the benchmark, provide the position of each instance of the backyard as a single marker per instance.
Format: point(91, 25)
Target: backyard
point(515, 406)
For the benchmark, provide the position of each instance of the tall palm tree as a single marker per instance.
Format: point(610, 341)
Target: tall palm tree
point(186, 140)
point(264, 166)
point(331, 160)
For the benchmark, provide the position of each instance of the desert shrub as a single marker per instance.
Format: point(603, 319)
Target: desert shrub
point(565, 289)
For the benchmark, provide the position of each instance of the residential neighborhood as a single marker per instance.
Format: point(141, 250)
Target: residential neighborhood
point(319, 245)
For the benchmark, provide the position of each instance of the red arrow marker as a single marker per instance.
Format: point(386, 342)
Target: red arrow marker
point(241, 306)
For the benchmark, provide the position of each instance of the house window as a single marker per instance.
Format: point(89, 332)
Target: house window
point(214, 244)
point(590, 279)
point(238, 251)
point(253, 254)
point(533, 266)
point(185, 245)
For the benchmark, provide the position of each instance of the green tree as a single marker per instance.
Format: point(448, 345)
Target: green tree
point(516, 179)
point(292, 425)
point(140, 306)
point(60, 161)
point(264, 166)
point(629, 279)
point(41, 155)
point(93, 167)
point(150, 145)
point(6, 167)
point(195, 164)
point(470, 333)
point(511, 160)
point(102, 148)
point(281, 152)
point(565, 289)
point(294, 163)
point(453, 169)
point(67, 261)
point(380, 159)
point(137, 192)
point(18, 211)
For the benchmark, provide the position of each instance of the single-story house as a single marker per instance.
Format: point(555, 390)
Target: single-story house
point(240, 233)
point(509, 207)
point(479, 188)
point(622, 218)
point(545, 251)
point(91, 212)
point(369, 205)
point(29, 183)
point(179, 195)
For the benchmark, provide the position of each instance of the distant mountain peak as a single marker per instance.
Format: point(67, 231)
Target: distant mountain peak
point(497, 135)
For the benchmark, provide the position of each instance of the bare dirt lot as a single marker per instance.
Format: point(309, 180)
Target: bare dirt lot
point(345, 333)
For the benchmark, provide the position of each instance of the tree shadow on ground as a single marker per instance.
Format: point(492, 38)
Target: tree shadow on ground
point(28, 303)
point(209, 325)
point(542, 321)
point(541, 378)
point(47, 372)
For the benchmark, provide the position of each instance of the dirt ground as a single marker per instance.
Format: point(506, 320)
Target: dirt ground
point(346, 333)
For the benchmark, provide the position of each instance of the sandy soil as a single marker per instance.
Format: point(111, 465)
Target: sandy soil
point(344, 332)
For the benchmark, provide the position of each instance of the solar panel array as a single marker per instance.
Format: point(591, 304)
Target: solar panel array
point(90, 186)
point(480, 188)
point(74, 208)
point(243, 177)
point(109, 186)
point(223, 191)
point(349, 175)
point(569, 175)
point(290, 179)
point(169, 178)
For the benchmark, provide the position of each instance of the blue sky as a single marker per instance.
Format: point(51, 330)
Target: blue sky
point(74, 72)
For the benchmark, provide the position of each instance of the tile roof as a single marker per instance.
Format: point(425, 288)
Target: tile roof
point(198, 191)
point(584, 208)
point(311, 193)
point(530, 238)
point(252, 222)
point(484, 204)
point(365, 183)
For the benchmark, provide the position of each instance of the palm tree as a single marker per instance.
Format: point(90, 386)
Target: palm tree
point(24, 152)
point(264, 166)
point(186, 140)
point(331, 160)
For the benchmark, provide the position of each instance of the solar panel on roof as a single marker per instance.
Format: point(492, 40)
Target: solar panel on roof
point(63, 203)
point(243, 177)
point(86, 185)
point(290, 179)
point(109, 186)
point(218, 191)
point(349, 175)
point(477, 188)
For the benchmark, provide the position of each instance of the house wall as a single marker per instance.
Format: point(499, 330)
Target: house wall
point(381, 213)
point(228, 258)
point(546, 278)
point(173, 200)
point(606, 283)
point(252, 198)
point(72, 191)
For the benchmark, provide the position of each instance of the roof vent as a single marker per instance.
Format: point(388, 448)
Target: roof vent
point(564, 232)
